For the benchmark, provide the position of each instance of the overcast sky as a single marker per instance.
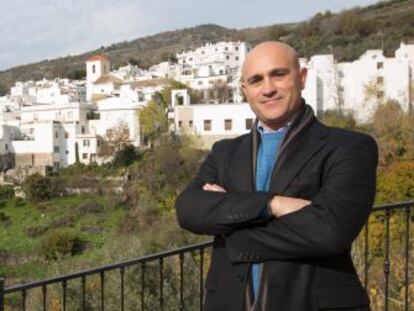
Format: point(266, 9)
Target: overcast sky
point(33, 30)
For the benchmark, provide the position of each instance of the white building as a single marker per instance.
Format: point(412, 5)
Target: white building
point(214, 63)
point(360, 86)
point(211, 122)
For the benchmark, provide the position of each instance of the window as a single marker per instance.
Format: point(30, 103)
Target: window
point(237, 58)
point(180, 124)
point(249, 124)
point(56, 134)
point(86, 143)
point(200, 83)
point(227, 57)
point(66, 135)
point(236, 48)
point(380, 80)
point(84, 156)
point(226, 48)
point(228, 124)
point(207, 125)
point(93, 68)
point(6, 146)
point(380, 65)
point(98, 143)
point(190, 123)
point(56, 149)
point(83, 129)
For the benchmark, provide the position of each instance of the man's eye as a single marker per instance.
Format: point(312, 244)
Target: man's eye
point(254, 81)
point(279, 73)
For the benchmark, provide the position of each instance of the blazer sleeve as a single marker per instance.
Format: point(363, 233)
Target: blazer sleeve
point(217, 213)
point(329, 224)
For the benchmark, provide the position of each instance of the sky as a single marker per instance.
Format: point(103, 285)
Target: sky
point(34, 30)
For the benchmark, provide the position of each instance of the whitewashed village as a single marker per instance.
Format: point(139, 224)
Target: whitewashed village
point(53, 124)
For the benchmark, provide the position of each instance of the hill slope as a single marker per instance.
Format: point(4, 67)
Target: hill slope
point(346, 34)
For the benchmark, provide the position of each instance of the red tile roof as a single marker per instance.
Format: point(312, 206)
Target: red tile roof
point(98, 57)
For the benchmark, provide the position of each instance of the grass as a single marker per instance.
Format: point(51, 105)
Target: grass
point(93, 218)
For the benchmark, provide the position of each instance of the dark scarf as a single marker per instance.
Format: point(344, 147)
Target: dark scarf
point(302, 121)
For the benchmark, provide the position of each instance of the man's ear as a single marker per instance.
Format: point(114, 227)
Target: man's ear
point(243, 87)
point(303, 74)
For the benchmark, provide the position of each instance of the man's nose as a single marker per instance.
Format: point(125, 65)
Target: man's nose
point(269, 89)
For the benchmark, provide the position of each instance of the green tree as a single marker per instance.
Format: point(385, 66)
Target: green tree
point(77, 153)
point(153, 121)
point(394, 131)
point(38, 188)
point(126, 156)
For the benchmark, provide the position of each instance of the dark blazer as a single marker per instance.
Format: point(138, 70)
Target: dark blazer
point(305, 254)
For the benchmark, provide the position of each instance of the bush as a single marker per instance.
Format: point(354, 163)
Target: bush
point(6, 192)
point(37, 188)
point(60, 243)
point(125, 157)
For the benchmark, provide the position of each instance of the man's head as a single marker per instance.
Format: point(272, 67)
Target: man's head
point(272, 82)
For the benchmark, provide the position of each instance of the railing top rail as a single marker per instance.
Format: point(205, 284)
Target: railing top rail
point(106, 268)
point(392, 206)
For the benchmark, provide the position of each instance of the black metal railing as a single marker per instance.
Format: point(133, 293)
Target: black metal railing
point(142, 262)
point(161, 282)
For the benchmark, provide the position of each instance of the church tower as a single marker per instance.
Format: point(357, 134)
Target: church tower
point(96, 67)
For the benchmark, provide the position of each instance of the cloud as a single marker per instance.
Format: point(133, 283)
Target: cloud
point(32, 30)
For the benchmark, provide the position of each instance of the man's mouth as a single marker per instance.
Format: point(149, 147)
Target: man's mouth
point(271, 100)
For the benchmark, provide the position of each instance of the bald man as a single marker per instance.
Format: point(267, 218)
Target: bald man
point(284, 202)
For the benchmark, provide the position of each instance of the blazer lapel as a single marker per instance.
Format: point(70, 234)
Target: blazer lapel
point(240, 164)
point(295, 156)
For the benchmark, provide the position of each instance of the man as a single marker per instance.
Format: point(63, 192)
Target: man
point(284, 202)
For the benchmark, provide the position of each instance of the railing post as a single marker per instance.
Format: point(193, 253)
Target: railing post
point(1, 294)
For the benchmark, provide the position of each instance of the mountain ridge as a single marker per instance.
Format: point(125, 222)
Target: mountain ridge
point(346, 34)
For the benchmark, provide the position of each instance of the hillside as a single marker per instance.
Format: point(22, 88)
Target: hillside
point(346, 34)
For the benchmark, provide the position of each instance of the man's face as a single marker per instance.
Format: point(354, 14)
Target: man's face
point(273, 83)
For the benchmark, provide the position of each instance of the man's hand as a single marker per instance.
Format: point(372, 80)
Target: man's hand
point(213, 187)
point(281, 206)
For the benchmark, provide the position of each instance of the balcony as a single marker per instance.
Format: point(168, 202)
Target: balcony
point(174, 280)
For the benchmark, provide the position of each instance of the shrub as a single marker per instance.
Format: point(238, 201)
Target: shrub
point(60, 243)
point(38, 188)
point(36, 231)
point(6, 192)
point(126, 156)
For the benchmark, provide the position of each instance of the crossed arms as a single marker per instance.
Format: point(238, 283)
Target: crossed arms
point(278, 205)
point(295, 228)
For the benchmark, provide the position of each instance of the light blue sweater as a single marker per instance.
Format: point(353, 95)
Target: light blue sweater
point(266, 160)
